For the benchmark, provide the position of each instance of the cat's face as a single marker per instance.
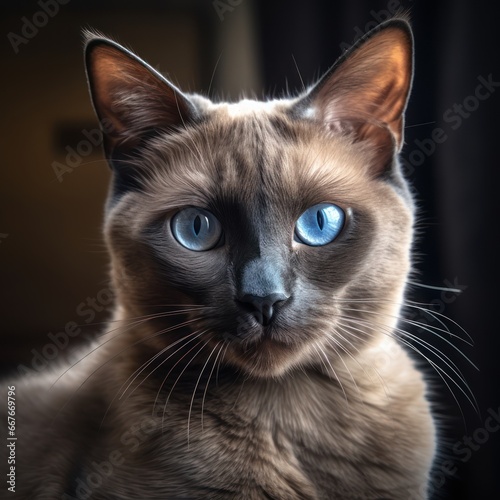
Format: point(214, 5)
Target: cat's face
point(285, 225)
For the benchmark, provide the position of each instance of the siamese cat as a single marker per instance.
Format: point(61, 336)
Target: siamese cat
point(259, 256)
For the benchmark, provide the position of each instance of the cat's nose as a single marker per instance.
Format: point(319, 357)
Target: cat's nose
point(263, 307)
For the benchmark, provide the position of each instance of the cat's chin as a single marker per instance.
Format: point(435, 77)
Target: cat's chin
point(264, 359)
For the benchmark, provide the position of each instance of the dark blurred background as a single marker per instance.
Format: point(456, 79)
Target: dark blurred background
point(53, 180)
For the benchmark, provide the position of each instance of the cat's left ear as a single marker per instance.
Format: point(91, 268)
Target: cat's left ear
point(366, 91)
point(131, 99)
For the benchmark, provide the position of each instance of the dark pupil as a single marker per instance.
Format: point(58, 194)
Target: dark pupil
point(197, 225)
point(321, 219)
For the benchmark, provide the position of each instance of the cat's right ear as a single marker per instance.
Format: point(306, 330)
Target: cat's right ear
point(131, 99)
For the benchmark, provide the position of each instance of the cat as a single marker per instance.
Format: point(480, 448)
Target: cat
point(259, 256)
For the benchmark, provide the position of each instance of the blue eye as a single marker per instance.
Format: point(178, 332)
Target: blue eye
point(319, 224)
point(196, 229)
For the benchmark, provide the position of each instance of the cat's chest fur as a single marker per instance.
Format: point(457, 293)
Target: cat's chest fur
point(300, 438)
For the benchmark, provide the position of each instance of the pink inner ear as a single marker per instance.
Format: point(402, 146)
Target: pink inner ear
point(107, 82)
point(131, 96)
point(368, 92)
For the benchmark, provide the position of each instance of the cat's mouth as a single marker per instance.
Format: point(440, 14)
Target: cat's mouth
point(257, 348)
point(261, 351)
point(249, 332)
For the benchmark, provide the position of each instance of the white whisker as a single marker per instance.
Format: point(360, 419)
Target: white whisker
point(208, 382)
point(196, 387)
point(333, 343)
point(441, 356)
point(322, 352)
point(178, 378)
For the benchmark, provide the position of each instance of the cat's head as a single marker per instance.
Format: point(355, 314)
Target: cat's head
point(281, 228)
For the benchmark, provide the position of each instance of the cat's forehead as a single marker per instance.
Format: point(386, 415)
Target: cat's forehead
point(256, 151)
